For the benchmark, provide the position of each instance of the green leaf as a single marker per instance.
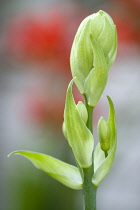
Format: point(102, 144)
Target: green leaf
point(79, 136)
point(96, 80)
point(66, 174)
point(102, 165)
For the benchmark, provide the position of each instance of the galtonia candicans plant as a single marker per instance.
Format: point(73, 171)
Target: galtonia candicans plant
point(93, 53)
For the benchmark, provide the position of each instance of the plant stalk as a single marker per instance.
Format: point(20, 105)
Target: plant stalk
point(89, 190)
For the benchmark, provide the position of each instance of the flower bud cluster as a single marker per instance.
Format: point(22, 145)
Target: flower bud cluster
point(93, 53)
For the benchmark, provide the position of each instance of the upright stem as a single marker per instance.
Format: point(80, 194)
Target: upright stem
point(89, 190)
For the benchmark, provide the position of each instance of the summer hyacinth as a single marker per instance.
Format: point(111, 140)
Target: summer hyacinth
point(93, 53)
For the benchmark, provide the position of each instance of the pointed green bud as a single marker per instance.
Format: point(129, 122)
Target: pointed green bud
point(104, 134)
point(93, 53)
point(103, 165)
point(82, 111)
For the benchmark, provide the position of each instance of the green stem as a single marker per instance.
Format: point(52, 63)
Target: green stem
point(106, 154)
point(89, 190)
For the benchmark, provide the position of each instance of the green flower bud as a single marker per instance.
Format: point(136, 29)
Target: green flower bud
point(104, 134)
point(103, 165)
point(92, 54)
point(82, 111)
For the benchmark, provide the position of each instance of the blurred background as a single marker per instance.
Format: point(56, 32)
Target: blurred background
point(35, 42)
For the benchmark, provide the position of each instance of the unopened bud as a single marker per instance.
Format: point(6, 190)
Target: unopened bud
point(93, 52)
point(104, 134)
